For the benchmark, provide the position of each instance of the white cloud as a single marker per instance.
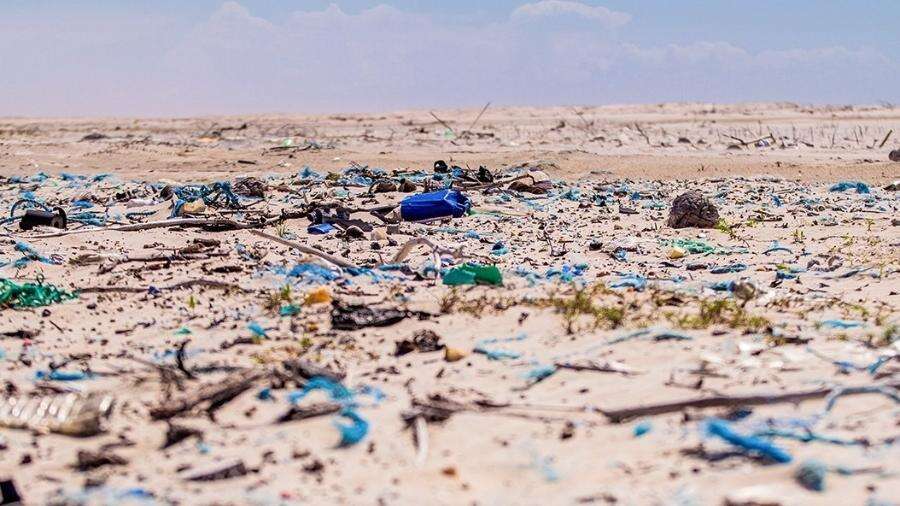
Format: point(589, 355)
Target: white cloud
point(552, 8)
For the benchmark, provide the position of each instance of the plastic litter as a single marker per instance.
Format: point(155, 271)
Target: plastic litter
point(473, 274)
point(31, 294)
point(40, 217)
point(438, 204)
point(723, 429)
point(859, 186)
point(67, 414)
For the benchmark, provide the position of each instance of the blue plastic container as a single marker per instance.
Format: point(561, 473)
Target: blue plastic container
point(439, 204)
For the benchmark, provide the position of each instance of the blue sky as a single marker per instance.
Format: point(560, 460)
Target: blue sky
point(180, 58)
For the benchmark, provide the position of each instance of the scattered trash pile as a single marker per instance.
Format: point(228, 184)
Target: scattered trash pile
point(465, 333)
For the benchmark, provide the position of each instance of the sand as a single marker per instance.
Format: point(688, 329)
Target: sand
point(528, 428)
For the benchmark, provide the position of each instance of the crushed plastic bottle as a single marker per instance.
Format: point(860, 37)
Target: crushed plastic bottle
point(66, 414)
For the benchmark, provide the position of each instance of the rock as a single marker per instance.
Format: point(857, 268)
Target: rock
point(692, 209)
point(894, 155)
point(250, 187)
point(384, 187)
point(87, 460)
point(676, 253)
point(218, 471)
point(193, 208)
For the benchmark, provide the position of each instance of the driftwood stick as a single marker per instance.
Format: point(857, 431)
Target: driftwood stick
point(643, 134)
point(595, 367)
point(483, 109)
point(297, 413)
point(886, 137)
point(178, 222)
point(720, 401)
point(208, 283)
point(214, 393)
point(435, 116)
point(157, 257)
point(340, 262)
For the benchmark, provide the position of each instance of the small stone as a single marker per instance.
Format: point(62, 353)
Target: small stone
point(894, 155)
point(453, 354)
point(250, 187)
point(759, 495)
point(676, 253)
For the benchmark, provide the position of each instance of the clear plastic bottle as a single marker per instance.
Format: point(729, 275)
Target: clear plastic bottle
point(67, 414)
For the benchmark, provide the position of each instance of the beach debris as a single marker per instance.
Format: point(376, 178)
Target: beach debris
point(25, 295)
point(438, 204)
point(692, 209)
point(358, 316)
point(811, 475)
point(723, 429)
point(423, 341)
point(9, 495)
point(67, 414)
point(859, 186)
point(87, 460)
point(289, 284)
point(217, 471)
point(452, 354)
point(39, 217)
point(473, 274)
point(250, 187)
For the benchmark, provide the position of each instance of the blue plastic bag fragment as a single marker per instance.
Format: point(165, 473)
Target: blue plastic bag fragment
point(635, 281)
point(725, 269)
point(355, 431)
point(257, 329)
point(313, 273)
point(321, 228)
point(437, 204)
point(642, 428)
point(59, 375)
point(841, 324)
point(850, 185)
point(722, 429)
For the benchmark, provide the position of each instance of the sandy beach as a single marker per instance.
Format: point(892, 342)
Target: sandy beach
point(374, 370)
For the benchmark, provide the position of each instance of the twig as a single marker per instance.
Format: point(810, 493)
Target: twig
point(178, 222)
point(209, 283)
point(621, 415)
point(215, 393)
point(306, 249)
point(643, 134)
point(483, 109)
point(313, 410)
point(179, 359)
point(442, 122)
point(886, 137)
point(157, 257)
point(595, 367)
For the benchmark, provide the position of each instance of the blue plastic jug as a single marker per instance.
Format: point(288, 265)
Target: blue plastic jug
point(438, 204)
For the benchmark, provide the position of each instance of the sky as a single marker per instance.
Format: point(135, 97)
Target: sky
point(211, 57)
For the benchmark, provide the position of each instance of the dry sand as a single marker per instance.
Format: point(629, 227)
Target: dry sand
point(549, 441)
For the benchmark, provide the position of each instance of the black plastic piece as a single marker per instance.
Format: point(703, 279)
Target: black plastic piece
point(37, 217)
